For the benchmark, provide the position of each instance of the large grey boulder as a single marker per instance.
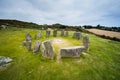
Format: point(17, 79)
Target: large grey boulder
point(47, 33)
point(28, 37)
point(55, 32)
point(5, 61)
point(77, 35)
point(47, 49)
point(39, 34)
point(86, 41)
point(74, 51)
point(36, 47)
point(62, 32)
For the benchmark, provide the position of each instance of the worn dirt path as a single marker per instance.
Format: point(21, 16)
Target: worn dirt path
point(60, 43)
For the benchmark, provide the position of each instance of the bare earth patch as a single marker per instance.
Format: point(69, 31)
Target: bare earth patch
point(60, 43)
point(106, 33)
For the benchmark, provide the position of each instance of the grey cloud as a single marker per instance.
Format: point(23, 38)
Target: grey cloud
point(70, 12)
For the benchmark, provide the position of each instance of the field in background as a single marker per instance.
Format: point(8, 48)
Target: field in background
point(105, 33)
point(102, 61)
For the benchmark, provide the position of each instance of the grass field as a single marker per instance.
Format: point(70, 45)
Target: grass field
point(102, 61)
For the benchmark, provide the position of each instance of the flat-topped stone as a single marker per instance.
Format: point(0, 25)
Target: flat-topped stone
point(74, 51)
point(29, 45)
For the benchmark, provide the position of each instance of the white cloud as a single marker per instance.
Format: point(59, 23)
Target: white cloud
point(69, 12)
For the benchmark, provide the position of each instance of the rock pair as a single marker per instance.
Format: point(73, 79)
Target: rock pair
point(47, 49)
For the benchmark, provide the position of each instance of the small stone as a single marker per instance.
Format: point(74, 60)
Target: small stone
point(66, 33)
point(28, 37)
point(36, 47)
point(4, 61)
point(86, 41)
point(3, 26)
point(39, 34)
point(55, 32)
point(62, 32)
point(47, 33)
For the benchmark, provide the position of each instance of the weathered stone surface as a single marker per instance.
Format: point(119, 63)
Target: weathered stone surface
point(66, 33)
point(5, 61)
point(28, 37)
point(77, 35)
point(55, 32)
point(47, 33)
point(36, 47)
point(47, 49)
point(28, 45)
point(86, 41)
point(71, 51)
point(39, 34)
point(24, 43)
point(62, 32)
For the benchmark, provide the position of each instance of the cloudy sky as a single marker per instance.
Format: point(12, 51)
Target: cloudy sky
point(68, 12)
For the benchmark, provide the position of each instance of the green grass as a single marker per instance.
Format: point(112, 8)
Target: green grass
point(102, 61)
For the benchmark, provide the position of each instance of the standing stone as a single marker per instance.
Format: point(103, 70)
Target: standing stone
point(36, 47)
point(66, 33)
point(28, 37)
point(86, 41)
point(62, 32)
point(47, 33)
point(47, 49)
point(77, 35)
point(28, 45)
point(55, 32)
point(39, 34)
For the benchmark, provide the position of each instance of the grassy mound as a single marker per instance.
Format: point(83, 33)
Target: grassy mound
point(101, 63)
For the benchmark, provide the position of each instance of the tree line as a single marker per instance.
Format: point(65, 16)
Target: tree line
point(23, 24)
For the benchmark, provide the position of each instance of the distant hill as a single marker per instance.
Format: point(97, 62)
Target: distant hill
point(20, 24)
